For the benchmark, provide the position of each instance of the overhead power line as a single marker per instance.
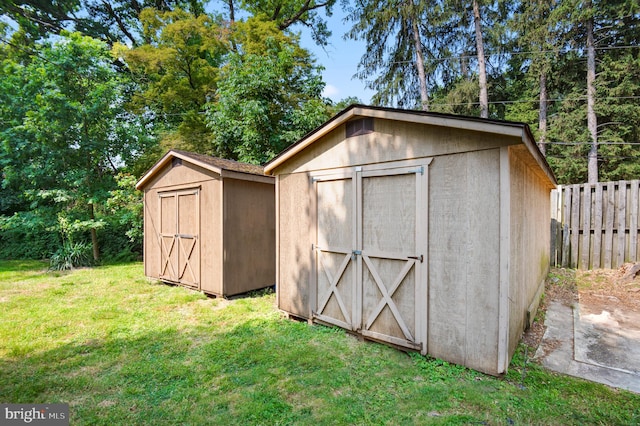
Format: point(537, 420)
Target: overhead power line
point(590, 143)
point(523, 52)
point(521, 101)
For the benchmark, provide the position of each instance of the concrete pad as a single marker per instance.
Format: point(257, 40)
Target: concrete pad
point(605, 339)
point(592, 346)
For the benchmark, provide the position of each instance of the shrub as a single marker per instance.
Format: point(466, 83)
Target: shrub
point(70, 256)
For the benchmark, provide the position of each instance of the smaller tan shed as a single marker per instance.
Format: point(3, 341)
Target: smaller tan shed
point(209, 224)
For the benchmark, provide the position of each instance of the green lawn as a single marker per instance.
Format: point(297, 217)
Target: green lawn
point(124, 351)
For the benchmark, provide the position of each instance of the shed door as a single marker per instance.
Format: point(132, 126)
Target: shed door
point(179, 237)
point(335, 267)
point(371, 252)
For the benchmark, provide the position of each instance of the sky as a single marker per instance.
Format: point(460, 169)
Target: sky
point(340, 60)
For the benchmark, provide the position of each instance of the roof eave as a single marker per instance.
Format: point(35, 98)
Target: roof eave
point(532, 146)
point(166, 159)
point(442, 120)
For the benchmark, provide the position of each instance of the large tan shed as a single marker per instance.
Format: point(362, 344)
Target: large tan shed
point(209, 224)
point(429, 232)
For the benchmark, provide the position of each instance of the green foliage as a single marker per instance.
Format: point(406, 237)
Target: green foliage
point(264, 101)
point(71, 255)
point(179, 66)
point(286, 14)
point(108, 21)
point(124, 208)
point(27, 235)
point(67, 136)
point(523, 42)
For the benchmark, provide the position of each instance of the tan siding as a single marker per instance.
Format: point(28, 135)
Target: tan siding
point(185, 174)
point(253, 205)
point(464, 250)
point(296, 234)
point(249, 235)
point(530, 240)
point(151, 230)
point(211, 237)
point(487, 238)
point(391, 141)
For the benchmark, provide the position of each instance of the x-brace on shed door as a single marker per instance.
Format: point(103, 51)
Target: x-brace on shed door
point(179, 234)
point(370, 255)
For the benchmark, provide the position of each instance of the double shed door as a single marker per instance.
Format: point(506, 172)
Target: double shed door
point(179, 236)
point(370, 255)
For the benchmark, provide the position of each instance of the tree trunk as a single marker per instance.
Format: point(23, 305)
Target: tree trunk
point(482, 66)
point(592, 119)
point(424, 96)
point(232, 13)
point(94, 236)
point(542, 113)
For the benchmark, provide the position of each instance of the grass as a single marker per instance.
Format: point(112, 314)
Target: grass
point(121, 350)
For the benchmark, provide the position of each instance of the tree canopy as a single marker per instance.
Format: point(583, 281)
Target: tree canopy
point(66, 134)
point(537, 57)
point(92, 91)
point(84, 111)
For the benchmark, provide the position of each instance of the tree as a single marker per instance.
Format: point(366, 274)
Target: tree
point(107, 20)
point(482, 68)
point(268, 96)
point(536, 23)
point(600, 104)
point(67, 134)
point(398, 36)
point(178, 73)
point(286, 14)
point(592, 119)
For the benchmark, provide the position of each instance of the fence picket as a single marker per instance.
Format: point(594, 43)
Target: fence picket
point(565, 222)
point(633, 221)
point(608, 231)
point(622, 225)
point(575, 224)
point(598, 225)
point(597, 228)
point(585, 241)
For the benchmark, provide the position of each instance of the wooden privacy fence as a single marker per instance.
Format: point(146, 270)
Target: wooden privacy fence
point(595, 225)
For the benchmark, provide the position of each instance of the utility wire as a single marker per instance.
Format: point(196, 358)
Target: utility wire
point(524, 52)
point(524, 101)
point(590, 143)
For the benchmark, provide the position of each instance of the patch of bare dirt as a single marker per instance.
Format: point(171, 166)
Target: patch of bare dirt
point(560, 287)
point(533, 335)
point(617, 288)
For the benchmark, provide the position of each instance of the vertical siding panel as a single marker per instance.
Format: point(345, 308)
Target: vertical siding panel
point(597, 227)
point(555, 195)
point(585, 248)
point(505, 242)
point(277, 246)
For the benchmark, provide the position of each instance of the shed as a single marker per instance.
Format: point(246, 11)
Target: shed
point(209, 224)
point(429, 232)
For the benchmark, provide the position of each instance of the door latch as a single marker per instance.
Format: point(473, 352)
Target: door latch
point(420, 258)
point(354, 253)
